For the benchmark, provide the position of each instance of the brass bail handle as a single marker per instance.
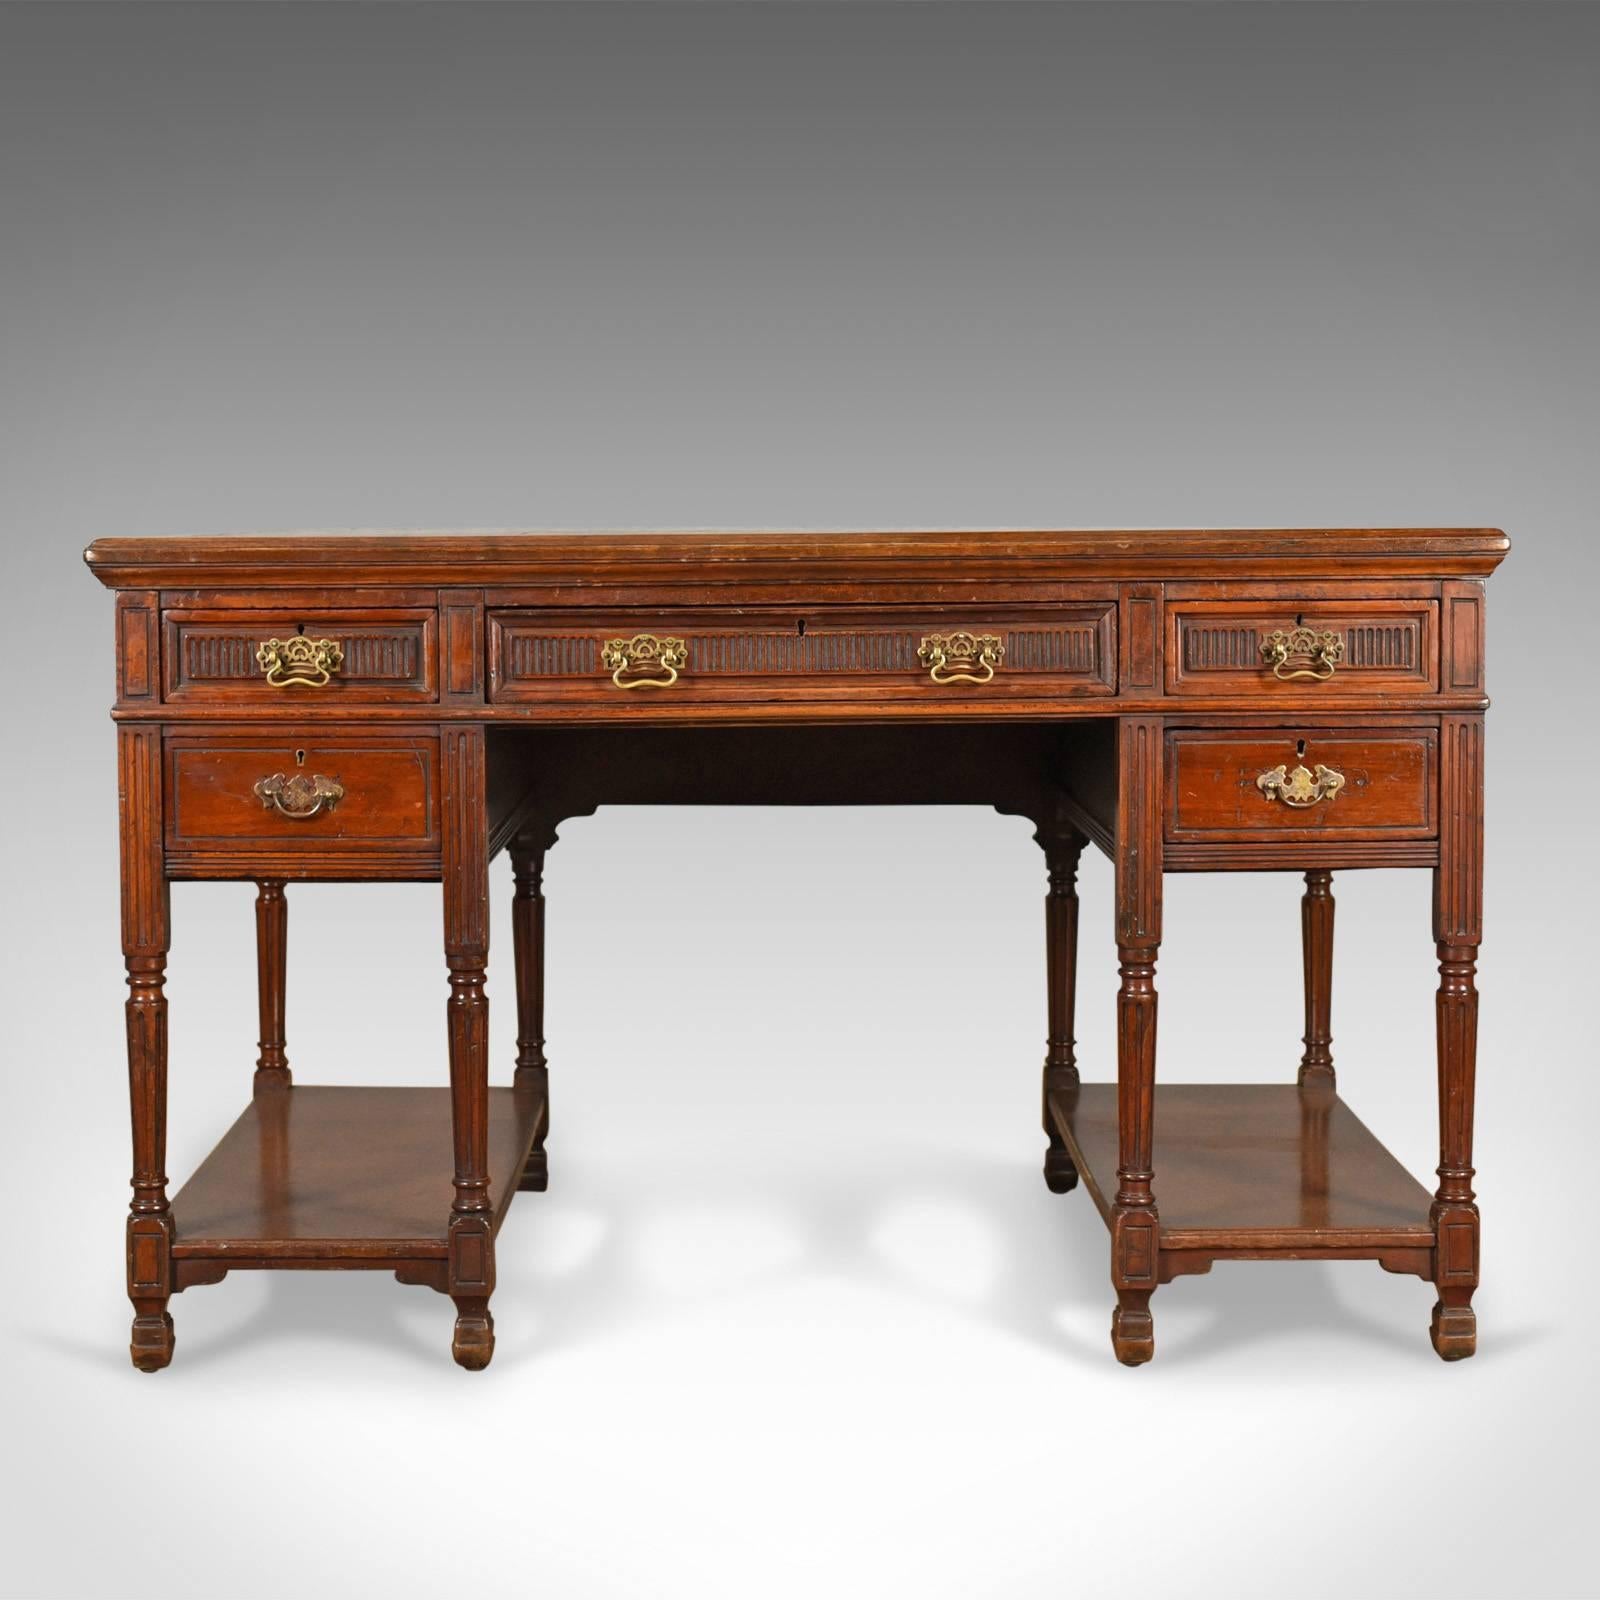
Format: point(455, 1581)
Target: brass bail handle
point(1306, 652)
point(1301, 788)
point(299, 798)
point(961, 657)
point(310, 663)
point(653, 662)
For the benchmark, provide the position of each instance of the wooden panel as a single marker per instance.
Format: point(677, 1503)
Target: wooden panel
point(1214, 646)
point(138, 647)
point(389, 656)
point(316, 1172)
point(389, 778)
point(1390, 779)
point(733, 655)
point(1462, 641)
point(1264, 1166)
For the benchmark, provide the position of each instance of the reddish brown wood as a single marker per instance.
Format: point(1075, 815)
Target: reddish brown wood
point(272, 965)
point(472, 713)
point(1457, 930)
point(1316, 949)
point(1063, 846)
point(1388, 792)
point(527, 937)
point(146, 936)
point(300, 1180)
point(466, 942)
point(1135, 1223)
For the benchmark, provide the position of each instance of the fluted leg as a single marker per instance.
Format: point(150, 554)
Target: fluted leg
point(1136, 1226)
point(272, 954)
point(1063, 845)
point(1458, 930)
point(146, 936)
point(466, 937)
point(527, 936)
point(1316, 947)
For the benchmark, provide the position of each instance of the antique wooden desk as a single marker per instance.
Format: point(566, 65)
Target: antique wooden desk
point(406, 706)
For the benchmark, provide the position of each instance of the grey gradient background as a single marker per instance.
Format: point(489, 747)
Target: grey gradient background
point(797, 1316)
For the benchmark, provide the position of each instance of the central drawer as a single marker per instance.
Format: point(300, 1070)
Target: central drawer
point(944, 656)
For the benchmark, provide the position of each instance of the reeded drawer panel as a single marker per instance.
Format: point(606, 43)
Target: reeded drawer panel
point(304, 790)
point(1260, 784)
point(1288, 645)
point(383, 656)
point(976, 653)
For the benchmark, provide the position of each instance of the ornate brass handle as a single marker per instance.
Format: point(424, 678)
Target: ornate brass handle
point(657, 659)
point(961, 657)
point(1299, 788)
point(1308, 652)
point(299, 797)
point(311, 662)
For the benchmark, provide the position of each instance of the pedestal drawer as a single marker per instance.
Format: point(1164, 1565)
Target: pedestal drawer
point(974, 655)
point(302, 792)
point(1297, 783)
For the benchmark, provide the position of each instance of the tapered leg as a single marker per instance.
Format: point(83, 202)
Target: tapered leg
point(1136, 1227)
point(1063, 845)
point(1458, 930)
point(527, 936)
point(1316, 948)
point(466, 939)
point(272, 954)
point(146, 936)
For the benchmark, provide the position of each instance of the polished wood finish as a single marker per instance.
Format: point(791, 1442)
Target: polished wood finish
point(299, 1179)
point(272, 977)
point(1388, 792)
point(471, 711)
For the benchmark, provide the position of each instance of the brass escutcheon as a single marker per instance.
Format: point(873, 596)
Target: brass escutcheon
point(310, 662)
point(1308, 652)
point(961, 657)
point(657, 659)
point(299, 798)
point(1300, 788)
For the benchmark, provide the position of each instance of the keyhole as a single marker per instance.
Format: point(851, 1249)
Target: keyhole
point(1300, 750)
point(299, 758)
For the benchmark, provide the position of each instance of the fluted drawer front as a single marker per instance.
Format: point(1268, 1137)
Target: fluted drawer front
point(1292, 645)
point(705, 655)
point(300, 658)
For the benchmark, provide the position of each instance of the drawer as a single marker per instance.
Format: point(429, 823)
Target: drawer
point(1260, 784)
point(324, 657)
point(303, 791)
point(1281, 644)
point(973, 654)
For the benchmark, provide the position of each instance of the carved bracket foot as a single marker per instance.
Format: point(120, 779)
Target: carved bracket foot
point(1454, 1331)
point(473, 1343)
point(151, 1344)
point(1060, 1175)
point(1133, 1329)
point(536, 1174)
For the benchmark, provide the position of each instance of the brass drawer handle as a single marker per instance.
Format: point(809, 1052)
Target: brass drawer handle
point(1301, 789)
point(1308, 652)
point(657, 659)
point(961, 657)
point(310, 662)
point(299, 798)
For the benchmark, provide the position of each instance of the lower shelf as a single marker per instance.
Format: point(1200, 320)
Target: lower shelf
point(314, 1176)
point(1256, 1170)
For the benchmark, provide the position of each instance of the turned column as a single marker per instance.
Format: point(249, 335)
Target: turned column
point(1316, 950)
point(527, 937)
point(470, 1265)
point(146, 937)
point(1063, 846)
point(1457, 932)
point(272, 955)
point(1135, 1224)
